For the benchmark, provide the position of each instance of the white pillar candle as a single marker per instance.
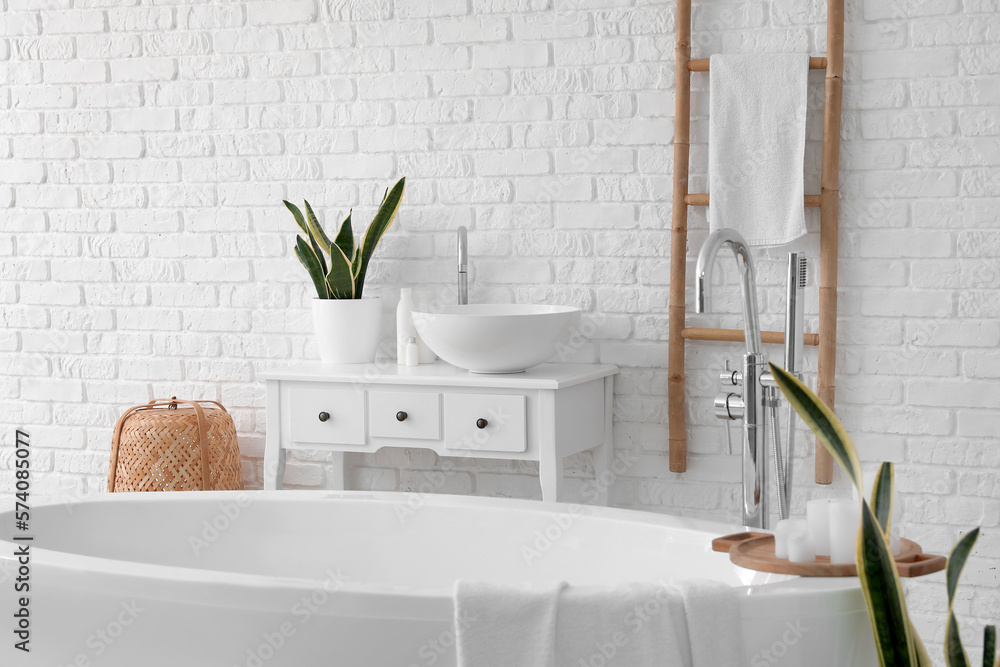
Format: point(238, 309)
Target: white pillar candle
point(818, 520)
point(800, 548)
point(895, 545)
point(782, 532)
point(844, 517)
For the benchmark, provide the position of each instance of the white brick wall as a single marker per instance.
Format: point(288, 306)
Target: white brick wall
point(144, 250)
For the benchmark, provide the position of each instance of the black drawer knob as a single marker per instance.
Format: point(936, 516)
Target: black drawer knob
point(324, 416)
point(481, 423)
point(401, 416)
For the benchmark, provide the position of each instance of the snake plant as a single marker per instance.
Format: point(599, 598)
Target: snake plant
point(338, 267)
point(896, 639)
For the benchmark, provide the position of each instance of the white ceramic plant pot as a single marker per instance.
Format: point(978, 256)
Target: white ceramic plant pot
point(347, 330)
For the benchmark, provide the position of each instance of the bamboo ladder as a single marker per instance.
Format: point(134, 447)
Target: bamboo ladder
point(826, 201)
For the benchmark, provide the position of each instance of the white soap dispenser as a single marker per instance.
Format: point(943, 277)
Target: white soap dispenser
point(412, 352)
point(404, 323)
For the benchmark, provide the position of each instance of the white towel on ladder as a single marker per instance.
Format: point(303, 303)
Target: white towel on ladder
point(756, 145)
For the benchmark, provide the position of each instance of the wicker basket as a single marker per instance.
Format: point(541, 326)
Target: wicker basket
point(162, 447)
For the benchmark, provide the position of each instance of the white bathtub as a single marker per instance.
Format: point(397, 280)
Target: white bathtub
point(302, 578)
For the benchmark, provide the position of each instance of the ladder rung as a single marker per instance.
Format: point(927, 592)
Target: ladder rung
point(736, 336)
point(701, 64)
point(701, 199)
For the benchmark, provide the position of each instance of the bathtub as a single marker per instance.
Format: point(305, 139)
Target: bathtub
point(357, 579)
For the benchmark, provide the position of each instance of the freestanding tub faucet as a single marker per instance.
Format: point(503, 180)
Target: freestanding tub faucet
point(463, 265)
point(751, 405)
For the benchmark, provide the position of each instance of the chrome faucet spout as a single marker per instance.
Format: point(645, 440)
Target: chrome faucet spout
point(703, 272)
point(463, 265)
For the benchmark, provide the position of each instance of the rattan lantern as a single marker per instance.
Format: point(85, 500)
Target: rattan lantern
point(161, 446)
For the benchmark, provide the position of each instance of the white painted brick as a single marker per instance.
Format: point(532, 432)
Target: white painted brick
point(596, 216)
point(210, 16)
point(115, 45)
point(466, 84)
point(260, 40)
point(63, 21)
point(52, 389)
point(512, 163)
point(591, 52)
point(359, 166)
point(505, 56)
point(22, 172)
point(423, 9)
point(76, 72)
point(431, 58)
point(469, 29)
point(140, 19)
point(143, 120)
point(286, 65)
point(147, 69)
point(39, 48)
point(19, 23)
point(273, 12)
point(49, 97)
point(899, 64)
point(501, 109)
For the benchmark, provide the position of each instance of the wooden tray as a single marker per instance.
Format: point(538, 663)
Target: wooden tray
point(755, 551)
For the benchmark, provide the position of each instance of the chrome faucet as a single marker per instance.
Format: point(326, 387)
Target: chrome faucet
point(752, 403)
point(463, 265)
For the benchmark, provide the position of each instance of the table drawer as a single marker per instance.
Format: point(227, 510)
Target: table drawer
point(322, 414)
point(398, 414)
point(485, 422)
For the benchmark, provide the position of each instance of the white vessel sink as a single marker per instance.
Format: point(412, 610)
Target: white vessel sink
point(496, 338)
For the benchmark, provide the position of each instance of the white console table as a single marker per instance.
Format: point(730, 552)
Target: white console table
point(544, 414)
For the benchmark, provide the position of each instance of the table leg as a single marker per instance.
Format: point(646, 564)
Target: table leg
point(603, 455)
point(550, 471)
point(274, 453)
point(274, 466)
point(337, 479)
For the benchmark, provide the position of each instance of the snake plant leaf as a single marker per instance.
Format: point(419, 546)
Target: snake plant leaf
point(313, 241)
point(297, 214)
point(379, 225)
point(822, 421)
point(954, 652)
point(304, 251)
point(316, 230)
point(340, 279)
point(894, 634)
point(989, 645)
point(345, 238)
point(882, 495)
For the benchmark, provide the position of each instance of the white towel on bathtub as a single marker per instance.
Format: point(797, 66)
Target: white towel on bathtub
point(634, 625)
point(711, 606)
point(505, 626)
point(756, 145)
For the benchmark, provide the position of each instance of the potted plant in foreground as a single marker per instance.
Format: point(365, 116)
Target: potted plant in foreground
point(896, 639)
point(347, 326)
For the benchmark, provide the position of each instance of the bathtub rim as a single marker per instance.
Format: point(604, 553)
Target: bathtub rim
point(366, 599)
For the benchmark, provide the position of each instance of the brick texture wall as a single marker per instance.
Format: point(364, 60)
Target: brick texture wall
point(145, 148)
